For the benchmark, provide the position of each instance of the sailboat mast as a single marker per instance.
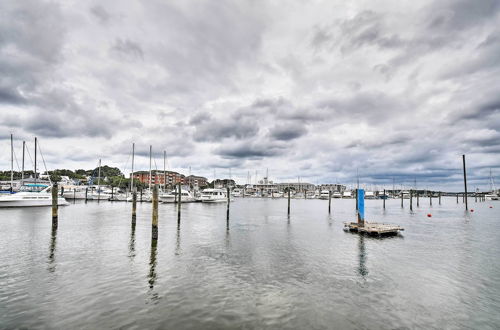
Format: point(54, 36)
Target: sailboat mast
point(132, 178)
point(35, 157)
point(150, 151)
point(99, 177)
point(22, 168)
point(164, 169)
point(11, 163)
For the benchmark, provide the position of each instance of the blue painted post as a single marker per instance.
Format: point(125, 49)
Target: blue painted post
point(360, 197)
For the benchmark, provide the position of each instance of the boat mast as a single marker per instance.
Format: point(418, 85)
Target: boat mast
point(164, 169)
point(99, 177)
point(22, 168)
point(150, 151)
point(132, 179)
point(35, 157)
point(11, 163)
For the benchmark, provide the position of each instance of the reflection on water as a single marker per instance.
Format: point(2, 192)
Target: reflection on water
point(362, 270)
point(256, 270)
point(131, 245)
point(52, 249)
point(152, 264)
point(178, 240)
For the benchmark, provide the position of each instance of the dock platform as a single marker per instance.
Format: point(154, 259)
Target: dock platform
point(373, 228)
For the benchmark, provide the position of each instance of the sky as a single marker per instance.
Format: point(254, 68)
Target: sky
point(328, 91)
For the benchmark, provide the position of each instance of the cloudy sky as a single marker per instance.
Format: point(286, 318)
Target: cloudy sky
point(396, 90)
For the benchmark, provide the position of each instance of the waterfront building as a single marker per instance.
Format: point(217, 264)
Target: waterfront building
point(333, 187)
point(297, 186)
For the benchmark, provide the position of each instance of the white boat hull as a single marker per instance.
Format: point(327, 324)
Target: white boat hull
point(30, 202)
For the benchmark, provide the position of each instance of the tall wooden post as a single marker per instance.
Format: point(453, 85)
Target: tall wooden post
point(457, 198)
point(384, 198)
point(402, 199)
point(411, 200)
point(439, 195)
point(86, 194)
point(329, 201)
point(155, 213)
point(418, 199)
point(228, 192)
point(54, 204)
point(141, 194)
point(430, 199)
point(112, 193)
point(179, 201)
point(465, 183)
point(288, 200)
point(134, 205)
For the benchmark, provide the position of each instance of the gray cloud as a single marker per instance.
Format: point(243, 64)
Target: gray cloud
point(287, 131)
point(126, 49)
point(100, 13)
point(395, 89)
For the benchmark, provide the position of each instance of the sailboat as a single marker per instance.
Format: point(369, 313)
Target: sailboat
point(493, 195)
point(99, 194)
point(35, 194)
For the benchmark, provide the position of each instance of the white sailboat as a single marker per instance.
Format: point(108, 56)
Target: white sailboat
point(493, 195)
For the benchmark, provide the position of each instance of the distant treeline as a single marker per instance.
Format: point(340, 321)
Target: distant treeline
point(113, 175)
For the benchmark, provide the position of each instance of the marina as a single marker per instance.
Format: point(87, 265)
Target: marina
point(260, 269)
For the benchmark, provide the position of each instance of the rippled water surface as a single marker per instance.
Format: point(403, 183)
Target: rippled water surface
point(260, 269)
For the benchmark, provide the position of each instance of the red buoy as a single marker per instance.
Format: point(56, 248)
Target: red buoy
point(472, 210)
point(429, 215)
point(491, 207)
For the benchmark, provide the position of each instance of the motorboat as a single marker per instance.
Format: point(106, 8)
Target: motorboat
point(237, 192)
point(370, 195)
point(277, 194)
point(211, 195)
point(31, 195)
point(172, 197)
point(324, 194)
point(75, 193)
point(336, 194)
point(347, 194)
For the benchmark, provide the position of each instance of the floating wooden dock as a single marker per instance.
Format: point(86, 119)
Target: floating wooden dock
point(373, 228)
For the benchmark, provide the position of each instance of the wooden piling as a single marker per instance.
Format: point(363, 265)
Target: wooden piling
point(385, 196)
point(465, 183)
point(134, 205)
point(418, 199)
point(86, 194)
point(402, 199)
point(112, 193)
point(430, 199)
point(329, 201)
point(62, 191)
point(155, 213)
point(457, 198)
point(179, 201)
point(141, 194)
point(74, 196)
point(439, 195)
point(411, 200)
point(288, 200)
point(54, 204)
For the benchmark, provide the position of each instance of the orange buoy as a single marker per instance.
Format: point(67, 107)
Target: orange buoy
point(429, 215)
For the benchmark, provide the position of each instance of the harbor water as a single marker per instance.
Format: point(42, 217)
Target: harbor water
point(258, 270)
